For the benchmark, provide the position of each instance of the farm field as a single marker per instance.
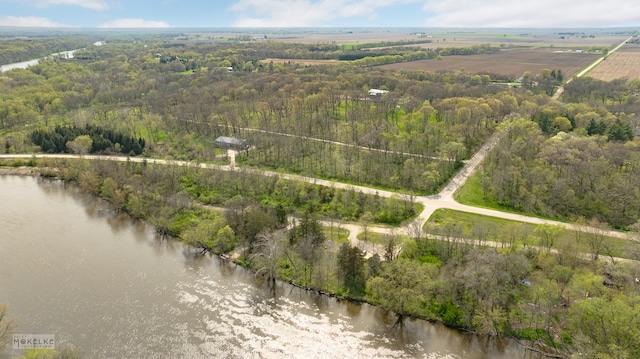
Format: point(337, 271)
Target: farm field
point(508, 63)
point(534, 38)
point(528, 40)
point(624, 63)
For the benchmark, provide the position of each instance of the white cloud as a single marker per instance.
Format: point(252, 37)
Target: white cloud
point(87, 4)
point(540, 13)
point(134, 23)
point(442, 13)
point(29, 21)
point(303, 13)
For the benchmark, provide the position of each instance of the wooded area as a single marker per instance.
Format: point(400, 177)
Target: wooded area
point(572, 160)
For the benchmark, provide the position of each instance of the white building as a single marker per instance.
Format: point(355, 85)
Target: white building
point(377, 93)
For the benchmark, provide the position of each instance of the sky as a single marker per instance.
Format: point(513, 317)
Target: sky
point(320, 13)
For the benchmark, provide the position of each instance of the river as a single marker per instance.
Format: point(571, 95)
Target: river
point(25, 64)
point(72, 267)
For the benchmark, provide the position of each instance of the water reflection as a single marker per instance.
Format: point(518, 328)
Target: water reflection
point(103, 282)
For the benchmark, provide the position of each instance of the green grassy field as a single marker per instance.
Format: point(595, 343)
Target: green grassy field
point(617, 247)
point(471, 194)
point(337, 235)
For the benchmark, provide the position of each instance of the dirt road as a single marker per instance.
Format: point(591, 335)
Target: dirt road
point(444, 199)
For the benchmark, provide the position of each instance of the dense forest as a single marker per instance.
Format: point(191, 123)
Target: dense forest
point(571, 160)
point(566, 175)
point(90, 139)
point(422, 129)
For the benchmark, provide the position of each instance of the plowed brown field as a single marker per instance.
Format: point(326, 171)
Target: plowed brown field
point(509, 63)
point(624, 63)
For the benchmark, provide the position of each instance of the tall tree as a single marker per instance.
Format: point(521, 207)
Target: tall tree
point(351, 268)
point(403, 286)
point(607, 327)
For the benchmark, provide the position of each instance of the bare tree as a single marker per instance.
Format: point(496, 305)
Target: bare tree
point(268, 246)
point(6, 326)
point(596, 236)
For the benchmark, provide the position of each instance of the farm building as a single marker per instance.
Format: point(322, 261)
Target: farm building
point(231, 143)
point(377, 93)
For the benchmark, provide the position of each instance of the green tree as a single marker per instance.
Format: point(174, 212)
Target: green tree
point(596, 127)
point(64, 353)
point(80, 145)
point(607, 327)
point(203, 234)
point(351, 268)
point(620, 131)
point(562, 123)
point(225, 240)
point(490, 321)
point(548, 234)
point(403, 286)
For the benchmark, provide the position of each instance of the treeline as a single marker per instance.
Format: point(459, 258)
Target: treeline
point(610, 93)
point(326, 47)
point(18, 50)
point(62, 139)
point(471, 50)
point(370, 45)
point(239, 56)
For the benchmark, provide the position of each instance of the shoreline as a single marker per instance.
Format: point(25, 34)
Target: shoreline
point(27, 171)
point(20, 171)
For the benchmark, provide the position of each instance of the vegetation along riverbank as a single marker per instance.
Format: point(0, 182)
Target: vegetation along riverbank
point(344, 164)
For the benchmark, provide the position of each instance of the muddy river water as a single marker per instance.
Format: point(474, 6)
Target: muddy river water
point(99, 281)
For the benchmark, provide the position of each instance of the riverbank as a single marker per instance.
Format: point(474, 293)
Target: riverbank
point(108, 286)
point(243, 261)
point(20, 171)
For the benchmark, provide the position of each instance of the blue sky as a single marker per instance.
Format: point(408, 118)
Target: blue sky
point(320, 13)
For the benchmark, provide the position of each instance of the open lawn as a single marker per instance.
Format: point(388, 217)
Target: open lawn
point(511, 63)
point(624, 63)
point(338, 235)
point(471, 194)
point(496, 228)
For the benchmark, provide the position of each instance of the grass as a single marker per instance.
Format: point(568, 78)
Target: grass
point(618, 247)
point(373, 237)
point(337, 235)
point(471, 194)
point(380, 238)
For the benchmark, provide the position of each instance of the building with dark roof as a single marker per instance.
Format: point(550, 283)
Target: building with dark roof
point(232, 143)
